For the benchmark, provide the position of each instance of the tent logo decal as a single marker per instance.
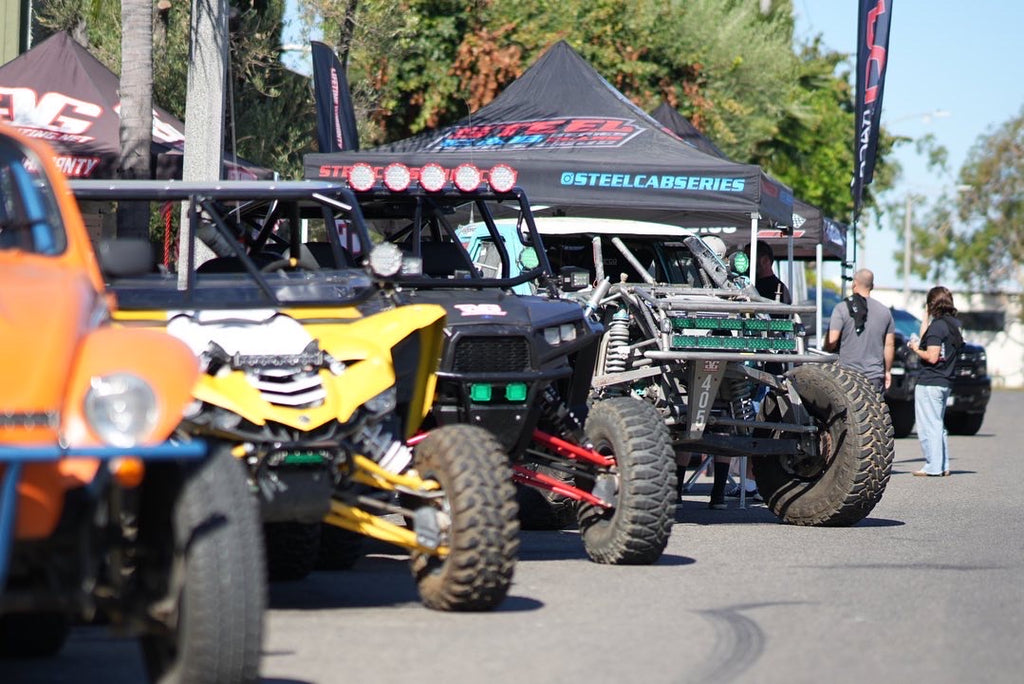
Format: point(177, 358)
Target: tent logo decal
point(579, 131)
point(54, 116)
point(640, 181)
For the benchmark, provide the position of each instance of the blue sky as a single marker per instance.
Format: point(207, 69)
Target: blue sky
point(959, 57)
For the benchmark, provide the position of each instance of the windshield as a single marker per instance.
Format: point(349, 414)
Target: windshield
point(255, 244)
point(29, 215)
point(907, 324)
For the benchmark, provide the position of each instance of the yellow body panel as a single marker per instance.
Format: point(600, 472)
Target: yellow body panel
point(362, 343)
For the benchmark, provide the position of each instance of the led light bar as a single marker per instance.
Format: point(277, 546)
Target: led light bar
point(716, 342)
point(749, 324)
point(467, 177)
point(502, 178)
point(361, 177)
point(432, 177)
point(397, 177)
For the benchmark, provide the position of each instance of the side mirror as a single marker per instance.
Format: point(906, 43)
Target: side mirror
point(125, 257)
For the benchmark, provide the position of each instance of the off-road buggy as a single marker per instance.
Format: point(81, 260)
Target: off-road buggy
point(727, 368)
point(107, 511)
point(521, 365)
point(315, 378)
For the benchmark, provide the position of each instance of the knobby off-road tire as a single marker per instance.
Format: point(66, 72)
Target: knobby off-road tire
point(544, 510)
point(856, 450)
point(479, 501)
point(292, 549)
point(964, 423)
point(902, 417)
point(340, 549)
point(218, 546)
point(636, 530)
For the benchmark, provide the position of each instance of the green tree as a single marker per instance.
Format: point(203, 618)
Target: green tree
point(987, 245)
point(418, 64)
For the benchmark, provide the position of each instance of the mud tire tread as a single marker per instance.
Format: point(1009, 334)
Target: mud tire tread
point(637, 530)
point(474, 470)
point(853, 483)
point(217, 533)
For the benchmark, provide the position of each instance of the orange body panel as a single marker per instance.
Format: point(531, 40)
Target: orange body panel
point(54, 337)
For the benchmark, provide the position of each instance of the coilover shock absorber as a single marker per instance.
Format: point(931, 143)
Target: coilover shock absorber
point(617, 335)
point(559, 417)
point(739, 392)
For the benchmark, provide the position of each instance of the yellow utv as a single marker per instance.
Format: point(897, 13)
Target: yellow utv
point(316, 380)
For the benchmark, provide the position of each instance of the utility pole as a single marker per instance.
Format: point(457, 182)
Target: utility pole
point(204, 111)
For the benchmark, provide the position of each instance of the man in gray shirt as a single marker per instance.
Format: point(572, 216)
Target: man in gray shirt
point(862, 330)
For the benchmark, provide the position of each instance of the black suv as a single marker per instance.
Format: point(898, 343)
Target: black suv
point(972, 385)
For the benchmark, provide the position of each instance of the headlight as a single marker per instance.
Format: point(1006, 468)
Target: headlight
point(120, 409)
point(557, 334)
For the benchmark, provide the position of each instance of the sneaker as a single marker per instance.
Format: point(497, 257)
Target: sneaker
point(717, 505)
point(734, 493)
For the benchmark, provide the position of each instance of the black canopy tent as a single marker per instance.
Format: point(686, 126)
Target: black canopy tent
point(60, 93)
point(581, 148)
point(809, 227)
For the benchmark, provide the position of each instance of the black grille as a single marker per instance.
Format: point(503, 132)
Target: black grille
point(492, 354)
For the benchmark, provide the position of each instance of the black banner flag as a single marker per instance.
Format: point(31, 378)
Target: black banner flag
point(872, 52)
point(335, 115)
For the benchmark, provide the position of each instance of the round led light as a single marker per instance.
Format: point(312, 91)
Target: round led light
point(397, 177)
point(386, 260)
point(361, 177)
point(502, 178)
point(432, 177)
point(467, 177)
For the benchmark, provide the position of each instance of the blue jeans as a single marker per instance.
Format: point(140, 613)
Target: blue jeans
point(929, 409)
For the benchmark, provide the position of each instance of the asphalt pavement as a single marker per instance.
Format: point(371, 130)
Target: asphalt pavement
point(928, 589)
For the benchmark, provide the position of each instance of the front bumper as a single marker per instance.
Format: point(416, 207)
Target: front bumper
point(14, 457)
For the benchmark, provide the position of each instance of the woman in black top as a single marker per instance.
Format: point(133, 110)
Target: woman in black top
point(938, 348)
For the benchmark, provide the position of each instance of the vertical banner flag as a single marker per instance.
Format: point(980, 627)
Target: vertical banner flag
point(872, 50)
point(335, 115)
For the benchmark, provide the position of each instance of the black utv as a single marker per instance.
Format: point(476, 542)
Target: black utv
point(521, 365)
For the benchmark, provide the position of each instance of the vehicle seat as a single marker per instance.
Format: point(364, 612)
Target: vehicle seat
point(442, 259)
point(321, 253)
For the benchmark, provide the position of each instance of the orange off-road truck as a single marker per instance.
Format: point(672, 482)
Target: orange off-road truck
point(106, 513)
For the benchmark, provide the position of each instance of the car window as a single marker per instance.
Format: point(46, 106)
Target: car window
point(907, 324)
point(29, 215)
point(488, 259)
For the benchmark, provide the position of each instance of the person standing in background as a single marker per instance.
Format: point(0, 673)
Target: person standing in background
point(862, 329)
point(941, 341)
point(766, 282)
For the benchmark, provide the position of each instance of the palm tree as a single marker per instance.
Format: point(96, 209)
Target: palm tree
point(136, 108)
